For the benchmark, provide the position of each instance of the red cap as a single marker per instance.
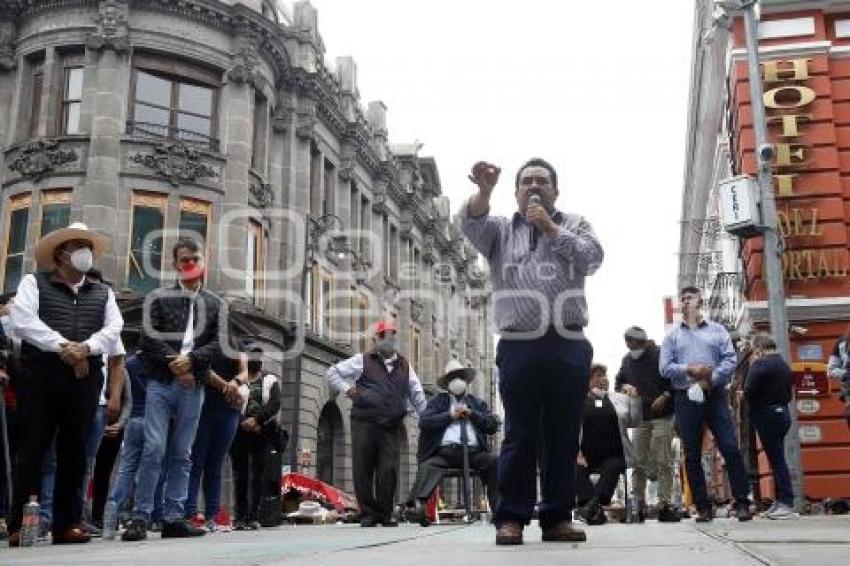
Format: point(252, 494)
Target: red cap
point(384, 325)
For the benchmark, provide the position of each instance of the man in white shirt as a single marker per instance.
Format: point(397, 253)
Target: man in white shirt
point(380, 384)
point(65, 324)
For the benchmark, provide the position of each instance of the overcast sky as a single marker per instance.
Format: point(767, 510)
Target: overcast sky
point(599, 89)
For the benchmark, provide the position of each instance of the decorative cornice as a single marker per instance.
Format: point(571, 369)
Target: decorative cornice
point(262, 194)
point(281, 119)
point(417, 310)
point(8, 61)
point(801, 310)
point(112, 30)
point(246, 63)
point(177, 162)
point(305, 123)
point(34, 159)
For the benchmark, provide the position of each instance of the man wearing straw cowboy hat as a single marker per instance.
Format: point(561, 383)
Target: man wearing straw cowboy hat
point(65, 323)
point(442, 436)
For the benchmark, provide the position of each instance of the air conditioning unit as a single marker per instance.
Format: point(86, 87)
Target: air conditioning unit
point(739, 206)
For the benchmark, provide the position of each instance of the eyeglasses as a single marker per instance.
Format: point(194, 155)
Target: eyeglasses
point(383, 333)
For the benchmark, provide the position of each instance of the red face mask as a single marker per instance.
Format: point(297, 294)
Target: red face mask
point(191, 271)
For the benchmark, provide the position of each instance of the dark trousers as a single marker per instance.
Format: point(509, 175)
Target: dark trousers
point(431, 471)
point(216, 430)
point(4, 474)
point(248, 457)
point(375, 454)
point(609, 469)
point(543, 384)
point(103, 463)
point(53, 401)
point(772, 423)
point(690, 419)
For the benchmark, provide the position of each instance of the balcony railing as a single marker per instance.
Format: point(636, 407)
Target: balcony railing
point(727, 298)
point(159, 132)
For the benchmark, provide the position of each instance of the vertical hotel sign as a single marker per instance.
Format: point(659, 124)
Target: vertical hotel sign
point(789, 99)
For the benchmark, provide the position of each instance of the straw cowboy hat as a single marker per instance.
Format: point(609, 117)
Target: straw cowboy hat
point(455, 369)
point(76, 231)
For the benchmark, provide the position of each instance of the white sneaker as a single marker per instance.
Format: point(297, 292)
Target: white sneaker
point(769, 510)
point(781, 511)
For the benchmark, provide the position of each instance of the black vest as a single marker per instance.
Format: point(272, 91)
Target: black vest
point(75, 317)
point(382, 396)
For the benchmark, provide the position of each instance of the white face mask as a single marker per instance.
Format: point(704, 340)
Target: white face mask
point(635, 354)
point(387, 346)
point(598, 392)
point(81, 259)
point(457, 386)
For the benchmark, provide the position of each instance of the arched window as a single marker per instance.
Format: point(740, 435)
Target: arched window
point(329, 444)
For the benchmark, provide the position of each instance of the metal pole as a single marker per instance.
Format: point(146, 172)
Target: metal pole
point(302, 324)
point(772, 250)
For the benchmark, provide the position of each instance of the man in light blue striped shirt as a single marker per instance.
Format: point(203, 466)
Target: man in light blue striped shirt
point(539, 259)
point(699, 358)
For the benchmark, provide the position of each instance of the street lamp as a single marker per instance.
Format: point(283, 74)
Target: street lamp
point(339, 247)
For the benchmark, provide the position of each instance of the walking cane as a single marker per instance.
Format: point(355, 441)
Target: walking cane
point(464, 437)
point(6, 457)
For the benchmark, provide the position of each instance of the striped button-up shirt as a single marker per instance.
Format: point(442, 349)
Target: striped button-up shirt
point(535, 290)
point(708, 343)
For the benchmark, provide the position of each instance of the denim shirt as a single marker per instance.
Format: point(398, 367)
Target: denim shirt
point(707, 344)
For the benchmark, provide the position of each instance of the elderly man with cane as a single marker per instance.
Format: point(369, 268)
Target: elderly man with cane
point(454, 431)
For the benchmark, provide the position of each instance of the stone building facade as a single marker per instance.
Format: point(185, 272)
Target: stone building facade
point(221, 119)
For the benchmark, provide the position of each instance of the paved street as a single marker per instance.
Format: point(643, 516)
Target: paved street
point(821, 541)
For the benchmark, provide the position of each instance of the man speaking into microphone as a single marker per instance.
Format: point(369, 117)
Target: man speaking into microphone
point(538, 260)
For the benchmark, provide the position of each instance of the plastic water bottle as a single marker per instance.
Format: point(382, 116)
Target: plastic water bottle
point(110, 520)
point(632, 509)
point(29, 525)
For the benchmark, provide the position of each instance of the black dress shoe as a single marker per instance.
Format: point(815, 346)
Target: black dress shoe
point(368, 521)
point(71, 535)
point(181, 529)
point(742, 511)
point(389, 523)
point(136, 530)
point(596, 515)
point(704, 516)
point(667, 514)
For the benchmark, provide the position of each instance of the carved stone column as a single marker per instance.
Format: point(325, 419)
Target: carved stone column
point(109, 51)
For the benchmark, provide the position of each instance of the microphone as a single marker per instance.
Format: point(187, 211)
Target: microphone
point(532, 244)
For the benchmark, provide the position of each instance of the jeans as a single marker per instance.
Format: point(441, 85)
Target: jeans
point(92, 446)
point(130, 458)
point(542, 382)
point(772, 423)
point(48, 481)
point(171, 420)
point(216, 430)
point(690, 419)
point(652, 440)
